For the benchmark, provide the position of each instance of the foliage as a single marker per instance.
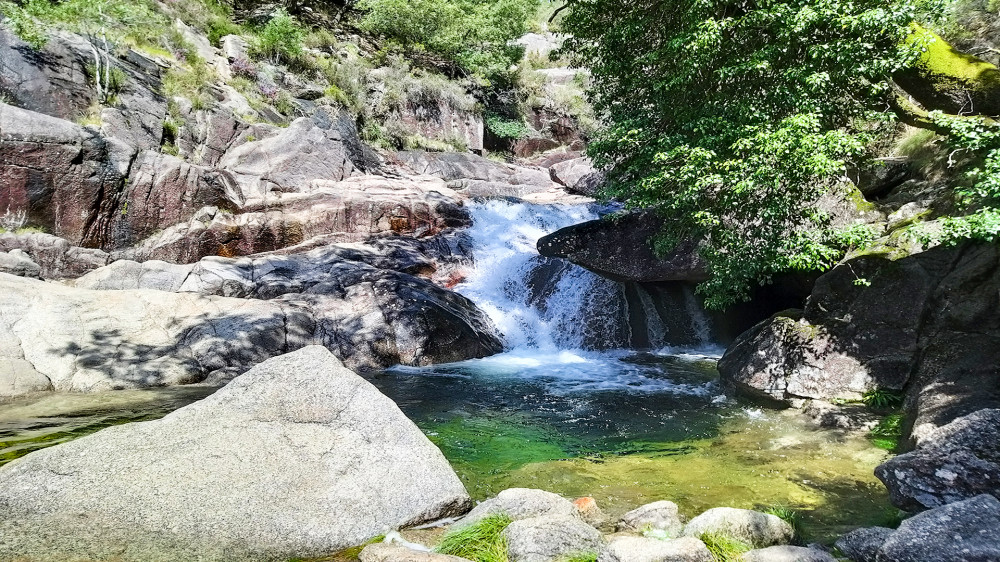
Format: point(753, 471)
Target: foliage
point(724, 548)
point(483, 541)
point(117, 20)
point(733, 119)
point(506, 128)
point(281, 39)
point(191, 80)
point(23, 25)
point(886, 434)
point(111, 81)
point(882, 398)
point(580, 557)
point(788, 515)
point(475, 35)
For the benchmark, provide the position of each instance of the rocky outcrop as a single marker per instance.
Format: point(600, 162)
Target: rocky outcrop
point(953, 463)
point(53, 80)
point(19, 263)
point(56, 257)
point(297, 457)
point(922, 323)
point(552, 537)
point(522, 503)
point(578, 176)
point(476, 176)
point(963, 531)
point(751, 527)
point(618, 246)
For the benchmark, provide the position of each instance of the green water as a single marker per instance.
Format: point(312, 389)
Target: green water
point(625, 428)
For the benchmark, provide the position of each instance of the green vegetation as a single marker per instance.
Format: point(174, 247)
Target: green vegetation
point(882, 398)
point(887, 433)
point(788, 515)
point(724, 548)
point(581, 557)
point(482, 541)
point(474, 35)
point(280, 40)
point(734, 121)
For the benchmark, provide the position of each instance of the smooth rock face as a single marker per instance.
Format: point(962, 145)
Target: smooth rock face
point(297, 457)
point(383, 552)
point(641, 549)
point(19, 263)
point(862, 545)
point(56, 257)
point(549, 538)
point(577, 176)
point(618, 247)
point(786, 553)
point(661, 515)
point(956, 462)
point(521, 503)
point(752, 527)
point(52, 81)
point(959, 532)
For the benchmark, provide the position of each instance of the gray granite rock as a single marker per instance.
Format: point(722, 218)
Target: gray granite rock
point(661, 515)
point(549, 538)
point(752, 527)
point(963, 531)
point(640, 549)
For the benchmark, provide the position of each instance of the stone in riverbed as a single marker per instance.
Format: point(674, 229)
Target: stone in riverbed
point(17, 262)
point(297, 457)
point(862, 545)
point(786, 553)
point(752, 527)
point(384, 552)
point(550, 538)
point(641, 549)
point(959, 532)
point(661, 515)
point(521, 503)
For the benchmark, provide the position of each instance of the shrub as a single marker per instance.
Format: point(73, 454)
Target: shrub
point(281, 39)
point(482, 541)
point(882, 398)
point(243, 68)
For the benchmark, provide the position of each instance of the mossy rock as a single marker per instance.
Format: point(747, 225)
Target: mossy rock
point(949, 80)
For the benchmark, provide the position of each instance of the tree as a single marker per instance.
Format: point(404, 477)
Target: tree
point(733, 117)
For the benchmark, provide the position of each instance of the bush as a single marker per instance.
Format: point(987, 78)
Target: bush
point(281, 39)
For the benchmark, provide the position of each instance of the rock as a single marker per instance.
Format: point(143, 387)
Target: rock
point(56, 257)
point(862, 545)
point(521, 503)
point(354, 210)
point(385, 552)
point(661, 515)
point(234, 47)
point(752, 527)
point(540, 44)
point(55, 171)
point(52, 81)
point(85, 340)
point(587, 509)
point(640, 549)
point(571, 172)
point(297, 457)
point(477, 176)
point(922, 322)
point(17, 262)
point(589, 185)
point(954, 463)
point(533, 145)
point(618, 247)
point(959, 532)
point(549, 538)
point(19, 377)
point(850, 417)
point(786, 553)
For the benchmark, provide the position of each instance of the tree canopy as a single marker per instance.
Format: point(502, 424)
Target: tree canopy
point(732, 118)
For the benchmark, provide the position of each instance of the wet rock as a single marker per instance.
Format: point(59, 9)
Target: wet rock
point(752, 527)
point(384, 552)
point(956, 462)
point(57, 258)
point(549, 538)
point(661, 515)
point(297, 457)
point(862, 545)
point(618, 247)
point(786, 553)
point(17, 262)
point(959, 532)
point(640, 549)
point(521, 503)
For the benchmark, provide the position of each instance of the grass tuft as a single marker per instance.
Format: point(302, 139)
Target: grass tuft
point(788, 515)
point(482, 541)
point(724, 548)
point(580, 557)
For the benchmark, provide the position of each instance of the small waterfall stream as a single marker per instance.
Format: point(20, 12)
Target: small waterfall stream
point(547, 304)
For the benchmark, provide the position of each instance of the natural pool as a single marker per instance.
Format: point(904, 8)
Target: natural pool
point(624, 427)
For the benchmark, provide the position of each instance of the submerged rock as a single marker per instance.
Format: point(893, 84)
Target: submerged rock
point(297, 457)
point(752, 527)
point(640, 549)
point(956, 462)
point(549, 538)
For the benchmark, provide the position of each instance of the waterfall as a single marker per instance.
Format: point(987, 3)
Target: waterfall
point(550, 304)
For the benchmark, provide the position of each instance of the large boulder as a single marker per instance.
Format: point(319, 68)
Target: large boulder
point(82, 340)
point(641, 549)
point(297, 457)
point(956, 462)
point(550, 538)
point(787, 553)
point(661, 516)
point(56, 257)
point(964, 531)
point(522, 503)
point(862, 545)
point(752, 527)
point(922, 323)
point(19, 263)
point(577, 176)
point(52, 80)
point(618, 246)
